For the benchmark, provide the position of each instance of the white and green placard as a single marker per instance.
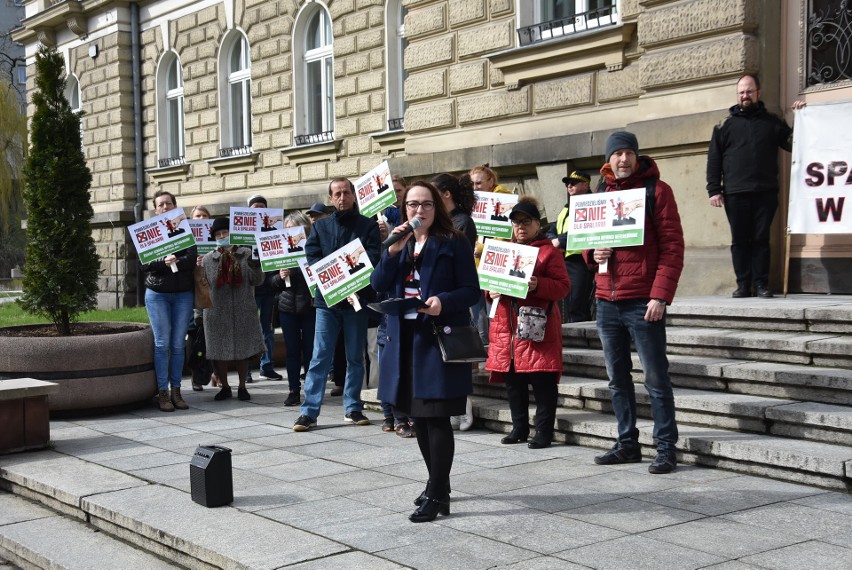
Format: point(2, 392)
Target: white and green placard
point(249, 222)
point(161, 235)
point(310, 278)
point(507, 267)
point(491, 214)
point(281, 249)
point(344, 272)
point(609, 219)
point(201, 232)
point(374, 190)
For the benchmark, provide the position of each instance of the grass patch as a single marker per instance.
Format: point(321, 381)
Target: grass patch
point(13, 315)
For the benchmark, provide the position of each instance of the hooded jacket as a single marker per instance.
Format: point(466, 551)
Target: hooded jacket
point(651, 270)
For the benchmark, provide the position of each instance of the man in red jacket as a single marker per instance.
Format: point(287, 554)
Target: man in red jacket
point(634, 285)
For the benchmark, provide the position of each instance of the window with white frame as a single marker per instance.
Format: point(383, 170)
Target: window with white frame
point(21, 74)
point(72, 93)
point(396, 43)
point(170, 110)
point(235, 94)
point(540, 20)
point(313, 52)
point(829, 39)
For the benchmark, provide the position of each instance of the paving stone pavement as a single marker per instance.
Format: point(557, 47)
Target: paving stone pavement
point(339, 495)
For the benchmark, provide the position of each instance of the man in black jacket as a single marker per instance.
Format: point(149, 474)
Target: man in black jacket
point(742, 176)
point(327, 236)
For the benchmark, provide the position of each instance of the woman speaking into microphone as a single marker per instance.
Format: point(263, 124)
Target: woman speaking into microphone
point(434, 263)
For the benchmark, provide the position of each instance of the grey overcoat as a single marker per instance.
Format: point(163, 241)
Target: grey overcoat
point(232, 326)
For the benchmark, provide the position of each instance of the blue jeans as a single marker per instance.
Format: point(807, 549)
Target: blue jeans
point(329, 324)
point(265, 304)
point(298, 332)
point(170, 314)
point(618, 322)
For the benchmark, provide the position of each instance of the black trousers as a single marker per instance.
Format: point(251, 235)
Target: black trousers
point(578, 303)
point(545, 389)
point(750, 215)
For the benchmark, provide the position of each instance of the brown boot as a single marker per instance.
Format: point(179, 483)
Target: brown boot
point(178, 400)
point(164, 402)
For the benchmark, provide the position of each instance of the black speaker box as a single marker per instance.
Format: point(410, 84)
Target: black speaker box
point(210, 477)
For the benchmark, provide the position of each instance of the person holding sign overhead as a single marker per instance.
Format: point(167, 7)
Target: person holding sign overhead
point(327, 236)
point(521, 362)
point(434, 263)
point(169, 291)
point(634, 285)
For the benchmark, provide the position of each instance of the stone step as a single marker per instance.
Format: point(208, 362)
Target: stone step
point(784, 417)
point(818, 349)
point(33, 536)
point(773, 379)
point(807, 462)
point(158, 519)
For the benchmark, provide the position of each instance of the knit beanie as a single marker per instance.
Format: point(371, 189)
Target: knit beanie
point(619, 140)
point(257, 198)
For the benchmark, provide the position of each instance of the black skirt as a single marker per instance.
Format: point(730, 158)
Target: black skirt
point(405, 401)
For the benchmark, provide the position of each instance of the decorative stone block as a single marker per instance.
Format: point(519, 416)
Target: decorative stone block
point(467, 76)
point(344, 46)
point(488, 38)
point(313, 171)
point(426, 21)
point(345, 127)
point(725, 57)
point(371, 81)
point(493, 106)
point(617, 85)
point(425, 85)
point(345, 86)
point(466, 11)
point(427, 53)
point(498, 7)
point(695, 19)
point(371, 123)
point(371, 39)
point(562, 93)
point(357, 105)
point(355, 22)
point(357, 63)
point(377, 101)
point(340, 7)
point(347, 167)
point(428, 117)
point(357, 145)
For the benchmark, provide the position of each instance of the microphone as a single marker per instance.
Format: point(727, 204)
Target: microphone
point(413, 224)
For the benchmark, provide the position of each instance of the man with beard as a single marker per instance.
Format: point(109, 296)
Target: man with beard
point(742, 176)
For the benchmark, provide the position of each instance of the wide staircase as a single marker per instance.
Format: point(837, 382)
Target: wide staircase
point(761, 386)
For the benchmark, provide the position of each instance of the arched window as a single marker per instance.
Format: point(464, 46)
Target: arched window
point(395, 37)
point(170, 110)
point(72, 93)
point(235, 94)
point(315, 73)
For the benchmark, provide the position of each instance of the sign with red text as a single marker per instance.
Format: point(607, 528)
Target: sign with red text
point(374, 190)
point(608, 219)
point(310, 278)
point(246, 223)
point(201, 233)
point(821, 173)
point(507, 267)
point(344, 272)
point(161, 235)
point(491, 214)
point(281, 249)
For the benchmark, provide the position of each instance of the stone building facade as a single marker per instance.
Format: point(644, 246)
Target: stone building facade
point(434, 86)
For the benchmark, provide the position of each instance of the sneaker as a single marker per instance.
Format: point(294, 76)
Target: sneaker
point(249, 379)
point(620, 454)
point(304, 423)
point(293, 399)
point(270, 374)
point(356, 418)
point(665, 462)
point(387, 425)
point(404, 430)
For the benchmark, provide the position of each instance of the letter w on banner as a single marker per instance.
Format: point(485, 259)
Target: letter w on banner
point(821, 173)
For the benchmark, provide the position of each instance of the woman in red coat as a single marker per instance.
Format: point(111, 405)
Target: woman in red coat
point(521, 362)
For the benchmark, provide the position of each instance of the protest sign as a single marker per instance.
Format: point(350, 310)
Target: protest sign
point(507, 267)
point(201, 233)
point(161, 235)
point(343, 273)
point(248, 222)
point(821, 173)
point(310, 278)
point(281, 249)
point(491, 214)
point(374, 190)
point(609, 219)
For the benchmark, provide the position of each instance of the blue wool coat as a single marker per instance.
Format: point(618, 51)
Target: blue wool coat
point(448, 272)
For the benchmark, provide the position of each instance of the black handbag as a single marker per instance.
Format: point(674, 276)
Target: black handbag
point(459, 343)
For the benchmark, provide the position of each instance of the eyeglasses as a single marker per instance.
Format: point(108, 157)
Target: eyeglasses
point(427, 206)
point(522, 222)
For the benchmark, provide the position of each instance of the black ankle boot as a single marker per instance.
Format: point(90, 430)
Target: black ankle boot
point(430, 509)
point(515, 436)
point(422, 497)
